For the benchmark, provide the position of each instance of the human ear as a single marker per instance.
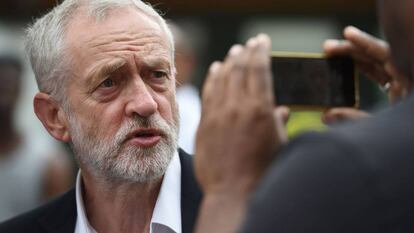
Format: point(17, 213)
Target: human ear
point(52, 116)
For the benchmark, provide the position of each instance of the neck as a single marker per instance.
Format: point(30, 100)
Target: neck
point(119, 207)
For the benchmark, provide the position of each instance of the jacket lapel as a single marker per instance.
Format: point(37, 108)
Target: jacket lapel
point(61, 218)
point(190, 193)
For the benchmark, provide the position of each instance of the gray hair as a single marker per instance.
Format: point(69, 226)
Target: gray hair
point(45, 42)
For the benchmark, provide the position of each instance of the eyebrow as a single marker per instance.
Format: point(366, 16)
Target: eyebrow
point(158, 62)
point(102, 70)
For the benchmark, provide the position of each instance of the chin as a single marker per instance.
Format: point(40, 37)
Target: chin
point(139, 165)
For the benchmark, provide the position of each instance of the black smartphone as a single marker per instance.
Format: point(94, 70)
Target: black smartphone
point(306, 80)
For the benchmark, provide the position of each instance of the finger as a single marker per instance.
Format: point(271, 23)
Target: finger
point(237, 81)
point(346, 48)
point(210, 86)
point(225, 74)
point(283, 113)
point(371, 67)
point(258, 70)
point(280, 125)
point(221, 76)
point(336, 47)
point(400, 85)
point(374, 72)
point(335, 115)
point(373, 47)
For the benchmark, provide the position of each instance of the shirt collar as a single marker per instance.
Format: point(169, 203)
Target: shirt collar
point(82, 223)
point(167, 211)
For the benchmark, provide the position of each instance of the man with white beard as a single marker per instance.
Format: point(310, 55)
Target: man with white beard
point(106, 75)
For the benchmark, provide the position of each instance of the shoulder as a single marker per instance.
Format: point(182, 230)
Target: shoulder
point(321, 155)
point(318, 183)
point(61, 209)
point(360, 173)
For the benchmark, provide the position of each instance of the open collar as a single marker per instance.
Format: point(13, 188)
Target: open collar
point(167, 211)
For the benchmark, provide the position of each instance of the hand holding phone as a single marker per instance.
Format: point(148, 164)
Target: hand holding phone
point(372, 57)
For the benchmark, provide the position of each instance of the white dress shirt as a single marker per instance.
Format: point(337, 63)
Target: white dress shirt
point(166, 217)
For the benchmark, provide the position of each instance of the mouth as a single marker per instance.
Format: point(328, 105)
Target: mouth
point(144, 138)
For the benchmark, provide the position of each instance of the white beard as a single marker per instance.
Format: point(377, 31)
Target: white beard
point(116, 162)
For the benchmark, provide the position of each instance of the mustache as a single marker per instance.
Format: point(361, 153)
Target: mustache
point(153, 122)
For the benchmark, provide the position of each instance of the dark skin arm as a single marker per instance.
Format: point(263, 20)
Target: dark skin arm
point(238, 134)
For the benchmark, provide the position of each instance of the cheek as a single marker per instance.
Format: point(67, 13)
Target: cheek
point(167, 106)
point(101, 121)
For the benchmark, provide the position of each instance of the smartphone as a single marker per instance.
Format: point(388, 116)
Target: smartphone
point(311, 80)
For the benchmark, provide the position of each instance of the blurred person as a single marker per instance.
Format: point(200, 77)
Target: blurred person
point(354, 178)
point(27, 176)
point(188, 98)
point(106, 75)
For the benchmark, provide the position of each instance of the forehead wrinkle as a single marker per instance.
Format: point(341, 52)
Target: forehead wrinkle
point(147, 44)
point(144, 45)
point(155, 48)
point(123, 36)
point(112, 30)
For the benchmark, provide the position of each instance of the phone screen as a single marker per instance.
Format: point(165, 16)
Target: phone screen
point(318, 82)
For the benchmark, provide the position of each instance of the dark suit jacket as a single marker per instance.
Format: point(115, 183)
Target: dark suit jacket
point(358, 178)
point(59, 216)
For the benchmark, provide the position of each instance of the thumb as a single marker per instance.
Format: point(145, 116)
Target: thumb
point(281, 116)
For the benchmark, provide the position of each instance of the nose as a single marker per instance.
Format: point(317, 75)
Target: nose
point(141, 101)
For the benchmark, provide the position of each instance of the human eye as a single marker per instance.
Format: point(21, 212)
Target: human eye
point(107, 89)
point(159, 74)
point(111, 81)
point(107, 83)
point(107, 86)
point(158, 77)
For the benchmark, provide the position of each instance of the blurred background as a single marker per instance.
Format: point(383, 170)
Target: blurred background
point(207, 29)
point(214, 26)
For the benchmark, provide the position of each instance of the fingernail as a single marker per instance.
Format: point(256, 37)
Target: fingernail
point(352, 30)
point(214, 67)
point(251, 42)
point(330, 43)
point(262, 36)
point(265, 39)
point(235, 50)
